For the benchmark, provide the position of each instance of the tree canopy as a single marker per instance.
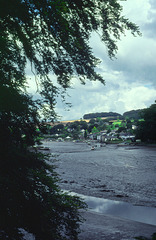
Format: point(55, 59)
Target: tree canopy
point(54, 37)
point(147, 129)
point(51, 37)
point(102, 114)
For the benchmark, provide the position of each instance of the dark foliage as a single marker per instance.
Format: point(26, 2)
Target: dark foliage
point(153, 237)
point(146, 130)
point(133, 114)
point(30, 197)
point(103, 114)
point(54, 37)
point(31, 200)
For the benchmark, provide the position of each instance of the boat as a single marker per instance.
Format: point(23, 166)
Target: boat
point(44, 148)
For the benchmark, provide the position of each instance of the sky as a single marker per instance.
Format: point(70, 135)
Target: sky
point(130, 78)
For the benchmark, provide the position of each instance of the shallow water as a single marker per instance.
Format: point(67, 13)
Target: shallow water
point(120, 209)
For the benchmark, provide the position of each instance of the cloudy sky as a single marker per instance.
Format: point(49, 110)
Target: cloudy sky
point(130, 79)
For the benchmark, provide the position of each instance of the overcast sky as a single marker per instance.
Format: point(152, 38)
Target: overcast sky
point(130, 79)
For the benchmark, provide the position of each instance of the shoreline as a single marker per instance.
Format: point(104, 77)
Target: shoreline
point(111, 172)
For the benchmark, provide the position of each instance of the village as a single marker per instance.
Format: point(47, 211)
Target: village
point(102, 130)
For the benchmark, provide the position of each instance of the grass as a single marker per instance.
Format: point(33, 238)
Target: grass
point(119, 122)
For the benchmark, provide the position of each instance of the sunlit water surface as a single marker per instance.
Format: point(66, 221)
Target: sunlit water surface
point(120, 209)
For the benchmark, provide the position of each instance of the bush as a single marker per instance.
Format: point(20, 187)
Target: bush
point(31, 199)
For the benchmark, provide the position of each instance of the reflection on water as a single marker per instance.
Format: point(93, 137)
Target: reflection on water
point(121, 209)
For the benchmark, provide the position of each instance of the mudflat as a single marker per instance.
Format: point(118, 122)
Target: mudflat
point(125, 173)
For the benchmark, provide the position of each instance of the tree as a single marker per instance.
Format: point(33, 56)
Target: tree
point(54, 37)
point(83, 125)
point(146, 130)
point(129, 124)
point(57, 129)
point(95, 130)
point(92, 121)
point(85, 134)
point(121, 129)
point(51, 37)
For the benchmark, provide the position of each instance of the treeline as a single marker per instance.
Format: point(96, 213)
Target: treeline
point(133, 114)
point(146, 130)
point(102, 114)
point(141, 123)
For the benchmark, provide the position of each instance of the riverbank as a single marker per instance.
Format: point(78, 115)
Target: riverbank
point(106, 227)
point(125, 173)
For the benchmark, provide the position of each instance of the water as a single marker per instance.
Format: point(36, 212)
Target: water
point(120, 209)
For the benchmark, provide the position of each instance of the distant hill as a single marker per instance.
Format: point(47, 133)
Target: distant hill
point(102, 115)
point(133, 114)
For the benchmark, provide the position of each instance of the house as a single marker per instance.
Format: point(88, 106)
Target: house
point(126, 136)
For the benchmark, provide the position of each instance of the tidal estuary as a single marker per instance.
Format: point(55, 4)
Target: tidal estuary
point(114, 181)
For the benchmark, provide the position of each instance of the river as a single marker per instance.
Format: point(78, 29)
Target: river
point(118, 184)
point(126, 173)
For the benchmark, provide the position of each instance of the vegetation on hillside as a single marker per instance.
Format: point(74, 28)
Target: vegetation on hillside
point(146, 130)
point(143, 128)
point(133, 114)
point(82, 129)
point(102, 115)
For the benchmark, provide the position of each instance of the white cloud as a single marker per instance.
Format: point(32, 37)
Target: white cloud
point(137, 96)
point(124, 98)
point(136, 11)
